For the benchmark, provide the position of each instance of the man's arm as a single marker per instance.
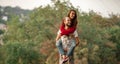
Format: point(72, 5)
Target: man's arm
point(58, 37)
point(76, 37)
point(77, 41)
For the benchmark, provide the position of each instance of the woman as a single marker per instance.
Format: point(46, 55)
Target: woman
point(73, 16)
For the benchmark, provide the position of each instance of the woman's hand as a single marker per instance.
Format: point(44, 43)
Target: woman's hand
point(71, 35)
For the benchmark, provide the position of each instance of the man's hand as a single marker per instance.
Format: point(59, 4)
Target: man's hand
point(77, 43)
point(58, 37)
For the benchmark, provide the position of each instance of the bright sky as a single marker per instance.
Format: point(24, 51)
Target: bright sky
point(103, 6)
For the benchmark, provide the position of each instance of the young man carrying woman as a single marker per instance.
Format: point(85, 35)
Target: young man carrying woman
point(68, 28)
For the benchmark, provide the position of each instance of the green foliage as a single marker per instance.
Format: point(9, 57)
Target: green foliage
point(22, 53)
point(1, 31)
point(33, 40)
point(115, 34)
point(93, 29)
point(2, 57)
point(115, 37)
point(14, 30)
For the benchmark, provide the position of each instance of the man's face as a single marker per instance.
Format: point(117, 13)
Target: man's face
point(67, 22)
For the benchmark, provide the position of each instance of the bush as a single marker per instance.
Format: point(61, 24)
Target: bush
point(115, 37)
point(22, 53)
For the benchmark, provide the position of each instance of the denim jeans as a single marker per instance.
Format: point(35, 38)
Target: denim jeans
point(61, 50)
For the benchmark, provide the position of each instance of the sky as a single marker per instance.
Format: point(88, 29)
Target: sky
point(104, 7)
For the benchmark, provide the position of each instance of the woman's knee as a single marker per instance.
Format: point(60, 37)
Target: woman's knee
point(73, 43)
point(58, 43)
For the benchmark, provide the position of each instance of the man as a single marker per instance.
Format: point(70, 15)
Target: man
point(67, 30)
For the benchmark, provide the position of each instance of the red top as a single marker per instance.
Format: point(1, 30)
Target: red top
point(67, 31)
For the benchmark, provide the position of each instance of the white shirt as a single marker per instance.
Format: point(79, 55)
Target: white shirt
point(75, 33)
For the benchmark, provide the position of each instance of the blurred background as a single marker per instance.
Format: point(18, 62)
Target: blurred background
point(28, 29)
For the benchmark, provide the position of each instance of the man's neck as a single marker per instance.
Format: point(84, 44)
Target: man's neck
point(66, 27)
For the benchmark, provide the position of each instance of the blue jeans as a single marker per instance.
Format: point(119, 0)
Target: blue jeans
point(61, 50)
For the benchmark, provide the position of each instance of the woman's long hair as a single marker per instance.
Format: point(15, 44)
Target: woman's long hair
point(74, 20)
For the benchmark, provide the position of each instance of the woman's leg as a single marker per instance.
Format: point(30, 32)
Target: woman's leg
point(70, 51)
point(60, 47)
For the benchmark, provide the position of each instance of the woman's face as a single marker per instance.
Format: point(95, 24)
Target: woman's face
point(72, 15)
